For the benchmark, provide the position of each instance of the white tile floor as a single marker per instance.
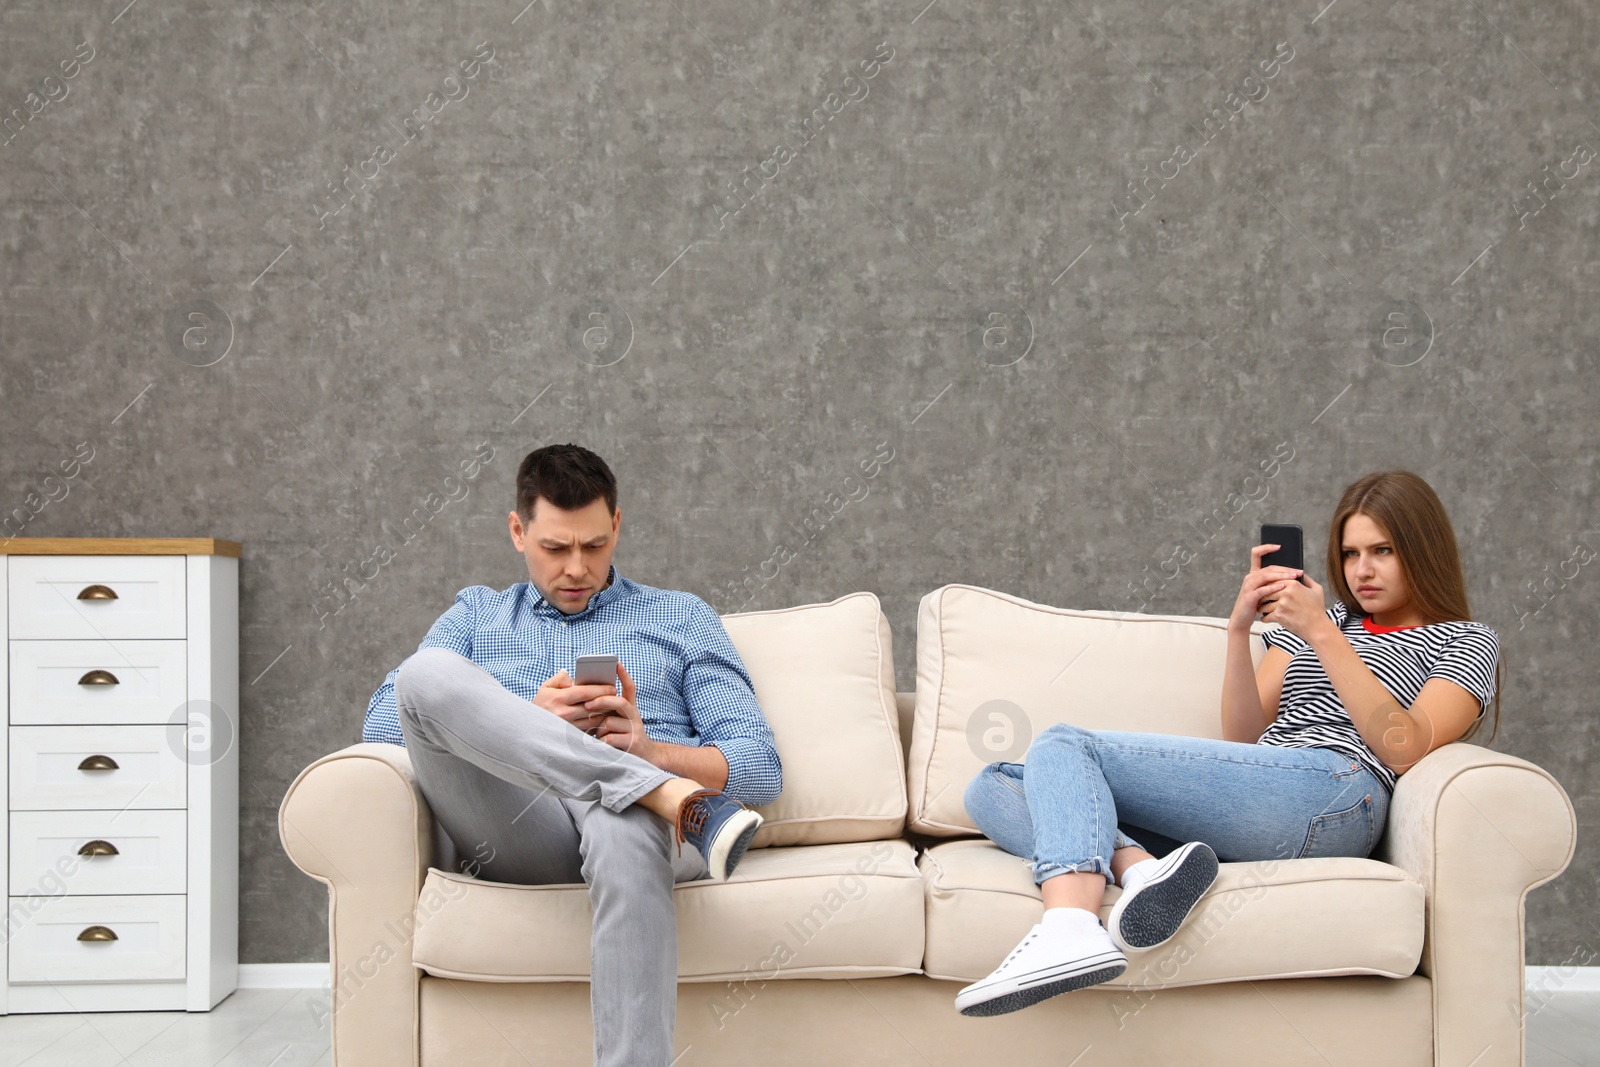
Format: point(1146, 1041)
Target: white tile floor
point(1565, 1031)
point(282, 1028)
point(249, 1028)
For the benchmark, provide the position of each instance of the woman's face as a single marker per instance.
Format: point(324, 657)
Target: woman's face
point(1372, 569)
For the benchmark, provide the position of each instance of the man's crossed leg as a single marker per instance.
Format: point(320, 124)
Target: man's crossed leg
point(555, 805)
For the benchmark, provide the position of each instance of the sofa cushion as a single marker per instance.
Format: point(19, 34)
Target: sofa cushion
point(824, 675)
point(1271, 919)
point(994, 671)
point(845, 910)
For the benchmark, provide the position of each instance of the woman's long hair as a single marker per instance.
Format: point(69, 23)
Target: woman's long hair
point(1410, 514)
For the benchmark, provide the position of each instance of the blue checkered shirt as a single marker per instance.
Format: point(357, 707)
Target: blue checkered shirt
point(692, 687)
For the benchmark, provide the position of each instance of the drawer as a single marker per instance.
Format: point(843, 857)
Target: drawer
point(98, 681)
point(107, 597)
point(144, 938)
point(149, 772)
point(121, 852)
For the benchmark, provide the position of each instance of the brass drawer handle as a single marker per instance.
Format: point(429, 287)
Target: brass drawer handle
point(97, 933)
point(97, 592)
point(98, 763)
point(98, 677)
point(98, 847)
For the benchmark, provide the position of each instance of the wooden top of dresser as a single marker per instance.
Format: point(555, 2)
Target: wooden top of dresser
point(119, 546)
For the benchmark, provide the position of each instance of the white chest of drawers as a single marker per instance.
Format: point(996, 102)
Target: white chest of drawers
point(119, 758)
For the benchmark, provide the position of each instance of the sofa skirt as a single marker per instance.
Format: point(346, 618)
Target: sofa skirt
point(1348, 1020)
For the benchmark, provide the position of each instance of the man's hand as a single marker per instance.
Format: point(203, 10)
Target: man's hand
point(620, 724)
point(560, 697)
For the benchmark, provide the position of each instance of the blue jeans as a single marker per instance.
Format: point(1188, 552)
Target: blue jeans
point(1068, 806)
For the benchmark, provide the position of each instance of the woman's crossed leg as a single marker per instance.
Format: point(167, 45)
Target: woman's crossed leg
point(1061, 809)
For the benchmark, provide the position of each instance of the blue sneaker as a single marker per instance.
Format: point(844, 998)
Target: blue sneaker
point(719, 826)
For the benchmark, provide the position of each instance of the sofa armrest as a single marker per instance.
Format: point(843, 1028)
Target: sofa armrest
point(1478, 829)
point(356, 821)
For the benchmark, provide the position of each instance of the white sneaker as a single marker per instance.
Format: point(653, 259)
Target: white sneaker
point(1045, 963)
point(1152, 911)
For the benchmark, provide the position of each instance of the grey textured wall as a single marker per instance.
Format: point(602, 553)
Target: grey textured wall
point(292, 270)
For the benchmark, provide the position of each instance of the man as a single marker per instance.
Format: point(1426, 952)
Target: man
point(558, 782)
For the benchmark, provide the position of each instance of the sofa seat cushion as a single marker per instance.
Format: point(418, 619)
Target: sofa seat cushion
point(815, 911)
point(1292, 918)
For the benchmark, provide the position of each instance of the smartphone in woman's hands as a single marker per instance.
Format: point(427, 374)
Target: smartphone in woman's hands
point(1289, 538)
point(1291, 550)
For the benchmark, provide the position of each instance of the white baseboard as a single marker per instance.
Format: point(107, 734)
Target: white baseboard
point(1540, 981)
point(283, 975)
point(1562, 979)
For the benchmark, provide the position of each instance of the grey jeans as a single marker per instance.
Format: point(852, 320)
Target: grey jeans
point(537, 801)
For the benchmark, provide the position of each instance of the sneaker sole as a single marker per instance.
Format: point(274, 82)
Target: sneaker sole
point(1157, 912)
point(1029, 995)
point(729, 846)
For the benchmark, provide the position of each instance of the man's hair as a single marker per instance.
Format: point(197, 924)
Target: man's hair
point(569, 476)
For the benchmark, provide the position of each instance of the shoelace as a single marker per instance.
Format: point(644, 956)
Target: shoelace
point(691, 816)
point(1026, 941)
point(1016, 952)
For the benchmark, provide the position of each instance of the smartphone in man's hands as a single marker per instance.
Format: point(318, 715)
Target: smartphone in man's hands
point(595, 670)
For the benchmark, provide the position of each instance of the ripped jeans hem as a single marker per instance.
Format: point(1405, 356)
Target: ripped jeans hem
point(1095, 865)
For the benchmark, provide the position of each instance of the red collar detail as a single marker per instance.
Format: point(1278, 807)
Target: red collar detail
point(1373, 628)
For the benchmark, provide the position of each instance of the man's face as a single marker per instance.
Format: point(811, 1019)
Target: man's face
point(568, 552)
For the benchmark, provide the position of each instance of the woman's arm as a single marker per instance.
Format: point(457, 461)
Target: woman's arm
point(1398, 735)
point(1249, 693)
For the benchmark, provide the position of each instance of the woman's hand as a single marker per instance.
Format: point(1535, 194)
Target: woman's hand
point(1261, 582)
point(1299, 609)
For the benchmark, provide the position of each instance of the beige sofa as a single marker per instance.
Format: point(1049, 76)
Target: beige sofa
point(869, 899)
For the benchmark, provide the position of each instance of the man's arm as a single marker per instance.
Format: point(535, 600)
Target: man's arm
point(452, 630)
point(704, 763)
point(623, 728)
point(738, 754)
point(722, 706)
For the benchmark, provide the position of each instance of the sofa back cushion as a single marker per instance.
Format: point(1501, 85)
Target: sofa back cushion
point(824, 674)
point(994, 671)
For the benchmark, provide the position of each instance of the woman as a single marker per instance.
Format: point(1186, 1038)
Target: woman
point(1343, 702)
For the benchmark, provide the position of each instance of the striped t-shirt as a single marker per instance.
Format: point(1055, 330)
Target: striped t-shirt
point(1310, 713)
